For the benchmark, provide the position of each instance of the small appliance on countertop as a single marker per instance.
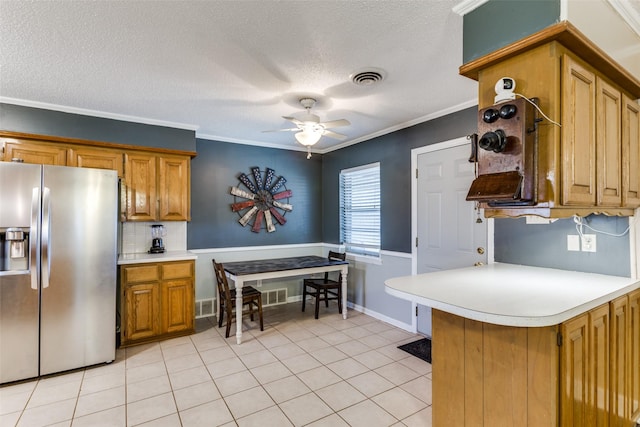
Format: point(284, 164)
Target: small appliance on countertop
point(157, 233)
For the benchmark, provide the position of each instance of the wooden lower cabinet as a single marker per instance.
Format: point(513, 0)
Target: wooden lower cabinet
point(143, 311)
point(583, 372)
point(634, 355)
point(620, 373)
point(157, 301)
point(585, 369)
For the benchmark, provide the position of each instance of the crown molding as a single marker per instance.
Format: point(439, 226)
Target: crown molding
point(95, 113)
point(467, 6)
point(423, 119)
point(628, 13)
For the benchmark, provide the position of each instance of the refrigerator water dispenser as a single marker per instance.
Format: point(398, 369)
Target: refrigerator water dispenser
point(14, 251)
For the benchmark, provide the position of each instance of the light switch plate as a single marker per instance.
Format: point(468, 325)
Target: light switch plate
point(573, 242)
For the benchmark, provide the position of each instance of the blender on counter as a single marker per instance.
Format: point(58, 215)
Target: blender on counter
point(157, 233)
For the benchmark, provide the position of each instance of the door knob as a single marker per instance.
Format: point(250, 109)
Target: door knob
point(480, 250)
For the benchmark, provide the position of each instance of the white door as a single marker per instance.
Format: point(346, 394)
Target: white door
point(450, 234)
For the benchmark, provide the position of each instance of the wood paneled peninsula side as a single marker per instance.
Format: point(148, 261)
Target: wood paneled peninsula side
point(527, 346)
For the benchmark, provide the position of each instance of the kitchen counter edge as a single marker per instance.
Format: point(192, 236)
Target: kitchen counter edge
point(141, 258)
point(528, 318)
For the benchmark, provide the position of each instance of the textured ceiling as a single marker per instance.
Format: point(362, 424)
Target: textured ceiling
point(232, 69)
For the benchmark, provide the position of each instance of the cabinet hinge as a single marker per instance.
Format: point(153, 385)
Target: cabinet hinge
point(416, 173)
point(416, 242)
point(559, 339)
point(416, 311)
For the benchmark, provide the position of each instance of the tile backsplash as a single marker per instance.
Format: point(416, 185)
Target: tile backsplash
point(135, 237)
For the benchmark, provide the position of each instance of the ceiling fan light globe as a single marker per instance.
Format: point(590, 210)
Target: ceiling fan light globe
point(307, 138)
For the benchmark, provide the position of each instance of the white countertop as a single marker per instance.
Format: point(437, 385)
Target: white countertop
point(511, 295)
point(138, 258)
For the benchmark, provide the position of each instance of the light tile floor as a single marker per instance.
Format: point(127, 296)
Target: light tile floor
point(299, 371)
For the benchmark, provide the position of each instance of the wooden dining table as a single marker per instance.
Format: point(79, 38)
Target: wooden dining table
point(244, 271)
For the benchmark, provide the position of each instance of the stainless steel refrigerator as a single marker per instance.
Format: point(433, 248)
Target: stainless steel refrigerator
point(58, 247)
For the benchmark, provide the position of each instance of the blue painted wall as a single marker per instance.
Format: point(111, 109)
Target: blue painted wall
point(545, 245)
point(54, 123)
point(498, 23)
point(393, 151)
point(216, 169)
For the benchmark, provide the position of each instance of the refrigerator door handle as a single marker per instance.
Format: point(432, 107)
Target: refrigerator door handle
point(33, 237)
point(46, 237)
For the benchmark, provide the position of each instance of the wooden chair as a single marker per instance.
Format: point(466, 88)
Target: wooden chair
point(251, 297)
point(324, 289)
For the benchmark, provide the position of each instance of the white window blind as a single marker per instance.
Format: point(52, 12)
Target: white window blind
point(360, 209)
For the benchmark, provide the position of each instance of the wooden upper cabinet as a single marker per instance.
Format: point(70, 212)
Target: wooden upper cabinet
point(35, 152)
point(608, 144)
point(140, 181)
point(630, 152)
point(587, 161)
point(99, 158)
point(156, 182)
point(158, 187)
point(174, 183)
point(578, 133)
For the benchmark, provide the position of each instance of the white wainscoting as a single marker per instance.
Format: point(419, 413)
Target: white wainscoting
point(365, 280)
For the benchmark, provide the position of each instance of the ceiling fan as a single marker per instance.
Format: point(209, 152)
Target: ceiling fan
point(309, 129)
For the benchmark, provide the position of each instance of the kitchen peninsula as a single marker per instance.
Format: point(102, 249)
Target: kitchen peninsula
point(528, 346)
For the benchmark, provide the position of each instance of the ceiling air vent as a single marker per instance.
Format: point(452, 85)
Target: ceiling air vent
point(368, 77)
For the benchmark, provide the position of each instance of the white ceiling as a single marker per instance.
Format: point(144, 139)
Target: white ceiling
point(231, 69)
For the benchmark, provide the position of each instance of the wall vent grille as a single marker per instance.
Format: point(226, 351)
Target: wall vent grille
point(204, 308)
point(274, 297)
point(207, 307)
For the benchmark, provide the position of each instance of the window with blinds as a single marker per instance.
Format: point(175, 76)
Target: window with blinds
point(360, 209)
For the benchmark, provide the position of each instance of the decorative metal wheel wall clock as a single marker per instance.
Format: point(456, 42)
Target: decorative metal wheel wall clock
point(266, 199)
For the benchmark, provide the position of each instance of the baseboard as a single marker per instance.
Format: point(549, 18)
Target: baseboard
point(382, 317)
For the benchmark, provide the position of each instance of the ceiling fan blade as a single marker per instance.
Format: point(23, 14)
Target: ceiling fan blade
point(293, 119)
point(335, 123)
point(334, 135)
point(282, 130)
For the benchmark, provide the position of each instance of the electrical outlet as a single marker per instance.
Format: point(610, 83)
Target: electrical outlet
point(573, 242)
point(588, 243)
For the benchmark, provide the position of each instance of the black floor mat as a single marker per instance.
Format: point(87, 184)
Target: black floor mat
point(420, 348)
